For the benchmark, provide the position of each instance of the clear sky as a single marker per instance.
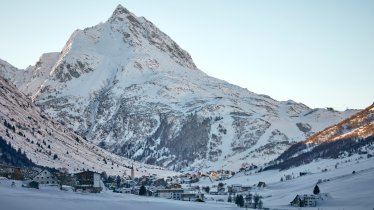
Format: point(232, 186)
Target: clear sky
point(319, 52)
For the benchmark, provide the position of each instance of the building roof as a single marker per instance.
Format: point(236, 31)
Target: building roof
point(170, 190)
point(83, 172)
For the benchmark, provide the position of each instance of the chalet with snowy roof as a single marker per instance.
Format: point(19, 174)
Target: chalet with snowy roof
point(305, 200)
point(89, 181)
point(45, 177)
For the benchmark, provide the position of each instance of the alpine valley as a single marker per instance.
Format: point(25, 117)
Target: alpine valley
point(127, 87)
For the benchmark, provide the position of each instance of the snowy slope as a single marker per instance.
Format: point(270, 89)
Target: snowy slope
point(25, 127)
point(359, 125)
point(344, 189)
point(128, 87)
point(350, 136)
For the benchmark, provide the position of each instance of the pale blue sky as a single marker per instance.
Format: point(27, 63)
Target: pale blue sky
point(319, 52)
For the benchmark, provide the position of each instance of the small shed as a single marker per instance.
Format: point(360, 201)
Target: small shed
point(261, 184)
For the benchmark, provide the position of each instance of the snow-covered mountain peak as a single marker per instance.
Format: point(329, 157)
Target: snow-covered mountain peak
point(119, 11)
point(110, 46)
point(140, 31)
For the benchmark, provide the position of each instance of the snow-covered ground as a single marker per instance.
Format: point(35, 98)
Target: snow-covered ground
point(344, 189)
point(18, 198)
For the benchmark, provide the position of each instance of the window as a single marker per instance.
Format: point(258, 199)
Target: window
point(41, 182)
point(47, 182)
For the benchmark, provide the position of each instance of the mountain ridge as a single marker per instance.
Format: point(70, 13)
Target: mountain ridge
point(354, 135)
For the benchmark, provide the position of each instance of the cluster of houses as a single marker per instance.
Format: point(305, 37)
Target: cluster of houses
point(89, 181)
point(36, 177)
point(176, 187)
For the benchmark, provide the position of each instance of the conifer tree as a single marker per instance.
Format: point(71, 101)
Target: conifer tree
point(142, 190)
point(316, 190)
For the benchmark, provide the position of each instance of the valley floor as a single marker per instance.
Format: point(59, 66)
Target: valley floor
point(342, 190)
point(18, 198)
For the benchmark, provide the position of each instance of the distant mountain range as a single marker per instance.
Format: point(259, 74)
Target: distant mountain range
point(128, 87)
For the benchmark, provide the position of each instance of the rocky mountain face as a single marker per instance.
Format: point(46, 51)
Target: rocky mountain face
point(47, 143)
point(126, 86)
point(354, 135)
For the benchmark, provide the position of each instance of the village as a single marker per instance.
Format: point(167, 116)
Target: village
point(183, 187)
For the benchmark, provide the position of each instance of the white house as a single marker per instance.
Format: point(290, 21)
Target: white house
point(45, 177)
point(174, 194)
point(179, 194)
point(305, 200)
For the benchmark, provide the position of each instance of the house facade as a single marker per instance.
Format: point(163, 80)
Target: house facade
point(174, 194)
point(88, 181)
point(305, 200)
point(45, 177)
point(179, 194)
